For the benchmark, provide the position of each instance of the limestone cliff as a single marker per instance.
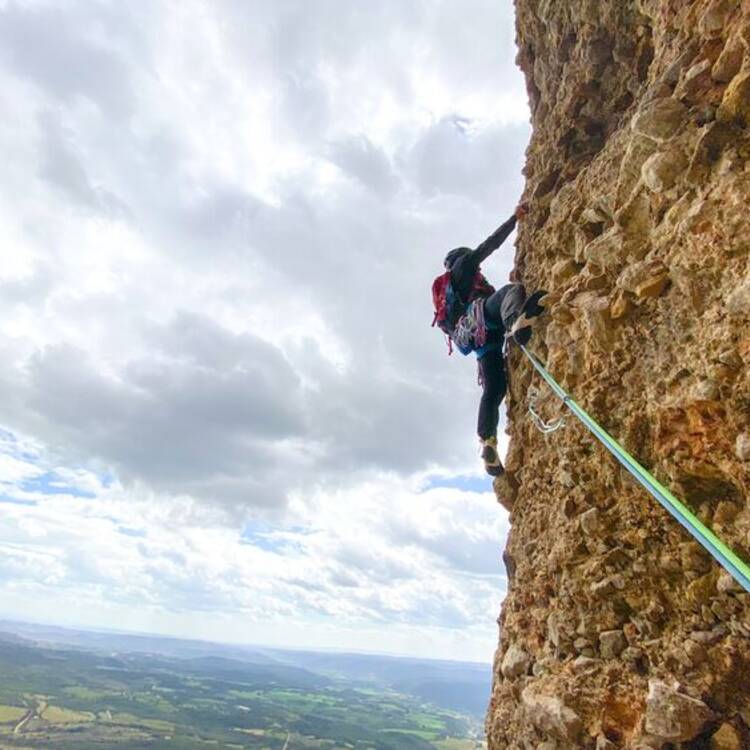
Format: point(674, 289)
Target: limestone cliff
point(618, 630)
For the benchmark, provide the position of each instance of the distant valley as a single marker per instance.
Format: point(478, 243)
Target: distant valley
point(81, 690)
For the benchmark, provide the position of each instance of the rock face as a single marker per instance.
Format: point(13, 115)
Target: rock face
point(618, 630)
point(670, 715)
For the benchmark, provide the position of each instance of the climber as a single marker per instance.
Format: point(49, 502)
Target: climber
point(476, 318)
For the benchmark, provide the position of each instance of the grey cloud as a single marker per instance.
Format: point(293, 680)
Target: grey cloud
point(463, 54)
point(49, 46)
point(459, 550)
point(207, 420)
point(227, 424)
point(337, 31)
point(200, 340)
point(431, 608)
point(197, 409)
point(63, 168)
point(389, 43)
point(465, 541)
point(30, 290)
point(376, 421)
point(305, 105)
point(372, 564)
point(344, 579)
point(450, 157)
point(364, 161)
point(221, 212)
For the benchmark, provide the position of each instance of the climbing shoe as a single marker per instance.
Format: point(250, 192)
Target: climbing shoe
point(492, 464)
point(521, 330)
point(532, 308)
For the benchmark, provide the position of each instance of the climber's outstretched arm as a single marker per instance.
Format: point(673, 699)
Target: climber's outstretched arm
point(486, 248)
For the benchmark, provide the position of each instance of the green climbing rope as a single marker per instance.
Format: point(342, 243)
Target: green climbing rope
point(733, 564)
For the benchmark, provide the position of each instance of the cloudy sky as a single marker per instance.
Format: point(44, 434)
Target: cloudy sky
point(223, 412)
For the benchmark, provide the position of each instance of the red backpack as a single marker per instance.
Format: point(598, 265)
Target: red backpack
point(449, 306)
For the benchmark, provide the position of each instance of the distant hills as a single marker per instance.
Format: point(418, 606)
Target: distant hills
point(461, 686)
point(456, 686)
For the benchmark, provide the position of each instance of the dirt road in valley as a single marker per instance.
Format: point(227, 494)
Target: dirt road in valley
point(33, 711)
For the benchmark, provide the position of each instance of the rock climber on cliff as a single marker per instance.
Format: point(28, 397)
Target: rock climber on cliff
point(476, 318)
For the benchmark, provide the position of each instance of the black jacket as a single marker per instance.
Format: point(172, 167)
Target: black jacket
point(464, 269)
point(466, 266)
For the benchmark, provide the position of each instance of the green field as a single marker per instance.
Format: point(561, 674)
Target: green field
point(60, 697)
point(11, 714)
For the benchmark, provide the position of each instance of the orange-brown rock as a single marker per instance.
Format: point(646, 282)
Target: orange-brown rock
point(619, 631)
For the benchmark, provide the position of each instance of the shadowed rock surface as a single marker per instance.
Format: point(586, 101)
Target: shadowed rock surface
point(618, 630)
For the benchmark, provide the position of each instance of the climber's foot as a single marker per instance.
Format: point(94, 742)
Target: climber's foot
point(532, 308)
point(521, 329)
point(522, 336)
point(492, 464)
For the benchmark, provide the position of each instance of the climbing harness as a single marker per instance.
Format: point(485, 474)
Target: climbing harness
point(546, 428)
point(733, 564)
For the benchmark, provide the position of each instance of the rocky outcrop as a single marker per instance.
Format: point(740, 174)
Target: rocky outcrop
point(619, 631)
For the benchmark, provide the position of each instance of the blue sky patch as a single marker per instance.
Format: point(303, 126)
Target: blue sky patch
point(8, 500)
point(260, 534)
point(131, 532)
point(51, 484)
point(463, 482)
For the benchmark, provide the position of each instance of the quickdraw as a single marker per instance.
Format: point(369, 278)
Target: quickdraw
point(546, 428)
point(727, 558)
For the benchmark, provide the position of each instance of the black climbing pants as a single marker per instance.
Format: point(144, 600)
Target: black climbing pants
point(494, 384)
point(500, 311)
